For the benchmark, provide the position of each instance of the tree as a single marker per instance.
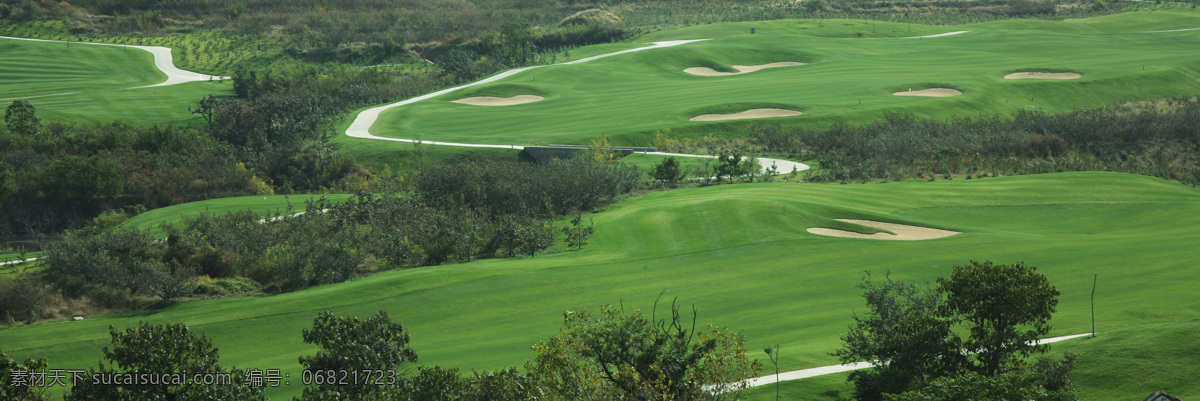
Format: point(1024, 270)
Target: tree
point(353, 344)
point(206, 108)
point(21, 118)
point(167, 281)
point(1006, 308)
point(601, 150)
point(437, 384)
point(533, 238)
point(161, 362)
point(773, 355)
point(577, 234)
point(904, 336)
point(1045, 381)
point(729, 164)
point(910, 335)
point(668, 172)
point(616, 354)
point(16, 384)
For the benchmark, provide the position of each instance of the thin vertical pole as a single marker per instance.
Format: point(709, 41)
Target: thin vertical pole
point(1094, 277)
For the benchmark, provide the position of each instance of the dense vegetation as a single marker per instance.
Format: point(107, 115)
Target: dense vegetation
point(1156, 138)
point(59, 174)
point(366, 359)
point(911, 334)
point(508, 213)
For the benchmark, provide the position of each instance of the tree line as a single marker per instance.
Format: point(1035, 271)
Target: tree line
point(1158, 138)
point(451, 213)
point(58, 175)
point(969, 336)
point(613, 354)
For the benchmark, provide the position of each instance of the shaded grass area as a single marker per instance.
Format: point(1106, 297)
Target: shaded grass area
point(91, 83)
point(263, 206)
point(741, 255)
point(850, 79)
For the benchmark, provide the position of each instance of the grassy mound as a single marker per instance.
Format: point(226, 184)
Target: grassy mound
point(741, 255)
point(593, 16)
point(264, 206)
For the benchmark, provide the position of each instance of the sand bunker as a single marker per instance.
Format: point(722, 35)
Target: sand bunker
point(1042, 75)
point(742, 69)
point(498, 101)
point(903, 232)
point(931, 92)
point(752, 113)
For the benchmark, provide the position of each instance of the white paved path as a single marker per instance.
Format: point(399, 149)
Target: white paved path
point(1175, 30)
point(162, 59)
point(16, 262)
point(825, 370)
point(938, 35)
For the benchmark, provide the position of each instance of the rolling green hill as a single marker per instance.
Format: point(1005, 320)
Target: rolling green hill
point(742, 256)
point(264, 206)
point(91, 83)
point(854, 68)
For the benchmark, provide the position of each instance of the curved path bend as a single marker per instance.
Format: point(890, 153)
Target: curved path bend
point(361, 126)
point(162, 59)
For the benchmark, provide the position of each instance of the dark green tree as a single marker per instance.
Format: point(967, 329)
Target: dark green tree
point(904, 336)
point(910, 335)
point(620, 355)
point(1005, 307)
point(21, 118)
point(668, 172)
point(14, 379)
point(146, 351)
point(576, 234)
point(729, 165)
point(1046, 380)
point(352, 344)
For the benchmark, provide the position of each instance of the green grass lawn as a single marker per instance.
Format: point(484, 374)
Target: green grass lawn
point(741, 255)
point(93, 83)
point(264, 206)
point(849, 79)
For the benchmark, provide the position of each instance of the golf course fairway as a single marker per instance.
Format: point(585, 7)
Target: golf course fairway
point(742, 256)
point(96, 82)
point(832, 71)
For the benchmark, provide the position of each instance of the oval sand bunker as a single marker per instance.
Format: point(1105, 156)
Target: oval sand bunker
point(931, 92)
point(903, 232)
point(498, 101)
point(1042, 75)
point(742, 69)
point(752, 113)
